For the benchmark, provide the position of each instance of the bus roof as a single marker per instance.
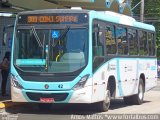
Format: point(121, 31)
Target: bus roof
point(103, 15)
point(120, 19)
point(55, 11)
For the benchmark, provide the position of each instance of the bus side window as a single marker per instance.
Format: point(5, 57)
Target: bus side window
point(150, 44)
point(110, 40)
point(133, 41)
point(121, 35)
point(98, 48)
point(143, 43)
point(153, 45)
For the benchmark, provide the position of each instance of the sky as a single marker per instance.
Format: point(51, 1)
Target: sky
point(121, 1)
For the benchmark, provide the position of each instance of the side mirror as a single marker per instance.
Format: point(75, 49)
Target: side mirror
point(96, 27)
point(5, 39)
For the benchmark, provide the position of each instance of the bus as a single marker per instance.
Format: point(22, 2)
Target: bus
point(81, 56)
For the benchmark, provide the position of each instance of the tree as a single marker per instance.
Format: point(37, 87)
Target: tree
point(152, 13)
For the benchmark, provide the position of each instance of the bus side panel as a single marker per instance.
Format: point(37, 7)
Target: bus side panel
point(99, 87)
point(127, 72)
point(128, 77)
point(100, 80)
point(148, 67)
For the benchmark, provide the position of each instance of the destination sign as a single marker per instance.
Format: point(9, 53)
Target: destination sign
point(53, 19)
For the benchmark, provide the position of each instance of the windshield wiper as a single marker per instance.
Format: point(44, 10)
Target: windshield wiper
point(44, 38)
point(36, 36)
point(65, 31)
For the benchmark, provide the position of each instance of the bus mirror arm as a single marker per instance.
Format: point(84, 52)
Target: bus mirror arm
point(5, 33)
point(4, 36)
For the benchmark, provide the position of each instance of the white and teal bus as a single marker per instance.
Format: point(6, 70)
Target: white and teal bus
point(81, 56)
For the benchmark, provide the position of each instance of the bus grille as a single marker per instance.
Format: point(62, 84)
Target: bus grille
point(56, 96)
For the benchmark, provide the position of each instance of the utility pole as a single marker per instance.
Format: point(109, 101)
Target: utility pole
point(142, 11)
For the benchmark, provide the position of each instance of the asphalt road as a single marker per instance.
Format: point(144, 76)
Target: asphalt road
point(30, 111)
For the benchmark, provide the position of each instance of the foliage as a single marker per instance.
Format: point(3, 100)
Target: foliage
point(152, 12)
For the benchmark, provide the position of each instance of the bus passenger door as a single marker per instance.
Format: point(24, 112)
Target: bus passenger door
point(99, 86)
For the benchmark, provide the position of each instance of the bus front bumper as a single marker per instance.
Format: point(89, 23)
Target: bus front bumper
point(78, 96)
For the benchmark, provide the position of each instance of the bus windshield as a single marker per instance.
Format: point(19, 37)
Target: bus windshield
point(51, 50)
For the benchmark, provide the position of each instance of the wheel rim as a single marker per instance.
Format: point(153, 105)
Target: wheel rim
point(108, 98)
point(140, 92)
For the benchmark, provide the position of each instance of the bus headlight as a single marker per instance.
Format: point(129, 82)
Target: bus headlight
point(82, 82)
point(15, 83)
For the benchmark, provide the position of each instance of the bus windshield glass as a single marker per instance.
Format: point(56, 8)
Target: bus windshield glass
point(59, 50)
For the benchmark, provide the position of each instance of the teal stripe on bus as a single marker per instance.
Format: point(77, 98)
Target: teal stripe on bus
point(119, 79)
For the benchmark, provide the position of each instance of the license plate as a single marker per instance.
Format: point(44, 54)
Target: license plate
point(47, 100)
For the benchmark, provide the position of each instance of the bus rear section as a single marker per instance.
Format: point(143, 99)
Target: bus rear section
point(124, 58)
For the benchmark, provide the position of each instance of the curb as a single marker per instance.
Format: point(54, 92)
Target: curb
point(8, 103)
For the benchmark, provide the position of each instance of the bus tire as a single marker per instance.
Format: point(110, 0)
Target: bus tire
point(138, 98)
point(44, 106)
point(103, 106)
